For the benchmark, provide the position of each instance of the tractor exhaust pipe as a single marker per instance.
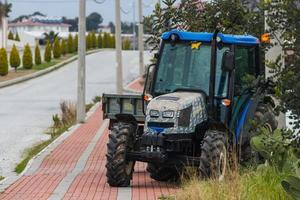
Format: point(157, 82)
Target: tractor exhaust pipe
point(213, 64)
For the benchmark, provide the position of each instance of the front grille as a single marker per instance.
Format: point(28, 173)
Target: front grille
point(161, 124)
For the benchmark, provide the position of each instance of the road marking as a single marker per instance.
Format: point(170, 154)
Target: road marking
point(64, 185)
point(124, 193)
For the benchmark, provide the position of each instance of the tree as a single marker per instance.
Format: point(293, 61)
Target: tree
point(70, 44)
point(112, 27)
point(50, 37)
point(10, 36)
point(93, 40)
point(88, 41)
point(76, 43)
point(99, 41)
point(17, 38)
point(284, 22)
point(27, 57)
point(64, 48)
point(72, 22)
point(56, 49)
point(14, 58)
point(112, 41)
point(126, 44)
point(47, 54)
point(93, 21)
point(37, 55)
point(3, 62)
point(105, 40)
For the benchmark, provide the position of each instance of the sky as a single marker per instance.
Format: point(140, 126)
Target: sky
point(69, 8)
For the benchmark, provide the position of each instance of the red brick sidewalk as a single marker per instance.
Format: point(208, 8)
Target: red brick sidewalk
point(90, 183)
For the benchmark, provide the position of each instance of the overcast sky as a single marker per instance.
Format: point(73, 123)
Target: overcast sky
point(69, 8)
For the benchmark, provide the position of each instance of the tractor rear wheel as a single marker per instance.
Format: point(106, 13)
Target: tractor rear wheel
point(163, 173)
point(265, 117)
point(213, 159)
point(119, 170)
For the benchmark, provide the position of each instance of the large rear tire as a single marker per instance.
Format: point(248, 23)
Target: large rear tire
point(119, 170)
point(213, 159)
point(163, 173)
point(264, 116)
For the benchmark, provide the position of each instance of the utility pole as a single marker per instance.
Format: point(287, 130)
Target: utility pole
point(141, 36)
point(119, 72)
point(133, 29)
point(81, 63)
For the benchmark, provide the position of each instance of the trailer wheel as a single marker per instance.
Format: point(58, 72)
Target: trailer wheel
point(163, 173)
point(213, 159)
point(119, 170)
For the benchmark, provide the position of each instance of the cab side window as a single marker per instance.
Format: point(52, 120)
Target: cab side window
point(245, 68)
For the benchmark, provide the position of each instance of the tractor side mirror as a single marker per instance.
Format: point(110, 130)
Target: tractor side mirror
point(156, 56)
point(228, 61)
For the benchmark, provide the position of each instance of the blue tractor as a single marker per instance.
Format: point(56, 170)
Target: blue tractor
point(196, 108)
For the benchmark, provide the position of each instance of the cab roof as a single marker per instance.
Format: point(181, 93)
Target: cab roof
point(207, 37)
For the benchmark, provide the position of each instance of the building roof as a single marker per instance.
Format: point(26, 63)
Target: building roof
point(207, 37)
point(31, 23)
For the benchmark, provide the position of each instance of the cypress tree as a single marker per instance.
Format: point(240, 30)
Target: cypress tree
point(93, 40)
point(126, 44)
point(56, 49)
point(17, 38)
point(88, 42)
point(37, 55)
point(76, 43)
point(3, 62)
point(105, 40)
point(14, 58)
point(27, 57)
point(10, 36)
point(99, 41)
point(64, 48)
point(47, 55)
point(70, 44)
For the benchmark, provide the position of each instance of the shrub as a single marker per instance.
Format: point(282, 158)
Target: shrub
point(10, 36)
point(99, 41)
point(76, 43)
point(37, 55)
point(88, 41)
point(27, 57)
point(17, 38)
point(113, 41)
point(105, 40)
point(70, 44)
point(47, 55)
point(93, 40)
point(64, 48)
point(3, 62)
point(126, 44)
point(56, 49)
point(14, 58)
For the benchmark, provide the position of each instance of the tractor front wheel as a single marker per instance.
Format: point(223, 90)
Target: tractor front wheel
point(213, 160)
point(119, 170)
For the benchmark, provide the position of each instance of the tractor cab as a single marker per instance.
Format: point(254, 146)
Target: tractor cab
point(218, 67)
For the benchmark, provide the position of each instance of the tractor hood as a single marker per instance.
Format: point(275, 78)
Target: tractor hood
point(177, 112)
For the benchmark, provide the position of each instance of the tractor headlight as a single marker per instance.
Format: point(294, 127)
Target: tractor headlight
point(168, 114)
point(154, 113)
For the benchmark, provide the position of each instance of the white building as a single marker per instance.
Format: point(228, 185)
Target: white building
point(31, 30)
point(39, 24)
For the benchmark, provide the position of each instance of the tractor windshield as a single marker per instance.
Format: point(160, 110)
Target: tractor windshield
point(186, 65)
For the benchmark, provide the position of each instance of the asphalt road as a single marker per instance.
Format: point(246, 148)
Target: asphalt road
point(26, 109)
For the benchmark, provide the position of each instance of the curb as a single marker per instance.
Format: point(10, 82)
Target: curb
point(43, 72)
